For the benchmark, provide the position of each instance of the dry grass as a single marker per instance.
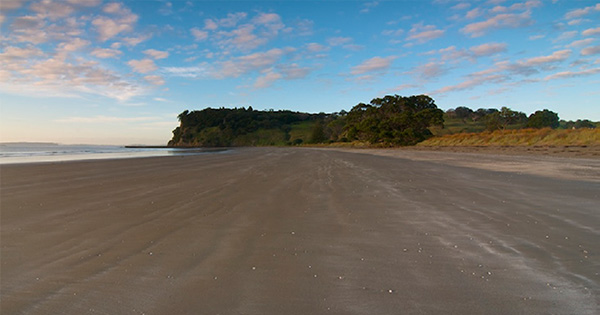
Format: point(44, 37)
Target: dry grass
point(521, 137)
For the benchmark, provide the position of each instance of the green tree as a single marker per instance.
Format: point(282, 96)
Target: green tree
point(318, 133)
point(393, 120)
point(542, 119)
point(504, 118)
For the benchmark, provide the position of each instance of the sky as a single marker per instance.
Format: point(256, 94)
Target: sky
point(119, 72)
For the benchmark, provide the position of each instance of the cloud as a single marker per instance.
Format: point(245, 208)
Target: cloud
point(11, 53)
point(142, 66)
point(106, 53)
point(488, 49)
point(271, 21)
point(499, 21)
point(185, 72)
point(260, 61)
point(52, 10)
point(502, 70)
point(517, 6)
point(211, 25)
point(56, 77)
point(572, 74)
point(556, 56)
point(267, 79)
point(461, 6)
point(582, 42)
point(592, 50)
point(576, 13)
point(104, 119)
point(367, 6)
point(134, 41)
point(108, 28)
point(29, 29)
point(199, 34)
point(474, 80)
point(424, 33)
point(474, 13)
point(373, 64)
point(316, 48)
point(339, 41)
point(85, 3)
point(293, 71)
point(154, 79)
point(591, 31)
point(11, 4)
point(156, 54)
point(430, 70)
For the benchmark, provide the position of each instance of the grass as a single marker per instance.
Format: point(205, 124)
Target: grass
point(521, 137)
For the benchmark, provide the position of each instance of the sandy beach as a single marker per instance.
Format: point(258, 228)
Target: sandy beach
point(302, 231)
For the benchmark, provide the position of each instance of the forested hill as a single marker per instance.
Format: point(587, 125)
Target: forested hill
point(391, 120)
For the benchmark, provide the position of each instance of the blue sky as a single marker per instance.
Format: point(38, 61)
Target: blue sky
point(119, 72)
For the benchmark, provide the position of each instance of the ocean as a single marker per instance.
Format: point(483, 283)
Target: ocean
point(12, 153)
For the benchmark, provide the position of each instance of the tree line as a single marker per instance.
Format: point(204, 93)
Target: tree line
point(504, 118)
point(392, 120)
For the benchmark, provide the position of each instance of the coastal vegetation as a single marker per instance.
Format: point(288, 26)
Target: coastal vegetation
point(384, 122)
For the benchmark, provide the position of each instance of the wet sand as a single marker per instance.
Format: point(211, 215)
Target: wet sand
point(302, 231)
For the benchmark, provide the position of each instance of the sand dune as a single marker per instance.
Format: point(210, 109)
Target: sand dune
point(301, 231)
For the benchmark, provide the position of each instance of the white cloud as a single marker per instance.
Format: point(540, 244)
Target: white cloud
point(572, 74)
point(10, 53)
point(199, 34)
point(134, 41)
point(259, 61)
point(488, 49)
point(430, 70)
point(499, 21)
point(339, 41)
point(85, 3)
point(185, 72)
point(104, 119)
point(582, 42)
point(11, 4)
point(424, 33)
point(73, 45)
point(461, 6)
point(591, 31)
point(108, 28)
point(592, 50)
point(142, 66)
point(474, 13)
point(210, 25)
point(373, 64)
point(576, 13)
point(367, 6)
point(154, 79)
point(316, 48)
point(156, 54)
point(52, 10)
point(267, 79)
point(106, 53)
point(293, 71)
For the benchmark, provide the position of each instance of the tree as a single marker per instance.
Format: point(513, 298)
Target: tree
point(504, 118)
point(317, 134)
point(393, 120)
point(542, 119)
point(463, 113)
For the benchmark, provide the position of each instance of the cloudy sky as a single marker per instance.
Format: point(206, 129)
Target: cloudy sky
point(106, 72)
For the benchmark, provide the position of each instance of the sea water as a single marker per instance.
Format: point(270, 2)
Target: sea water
point(11, 153)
